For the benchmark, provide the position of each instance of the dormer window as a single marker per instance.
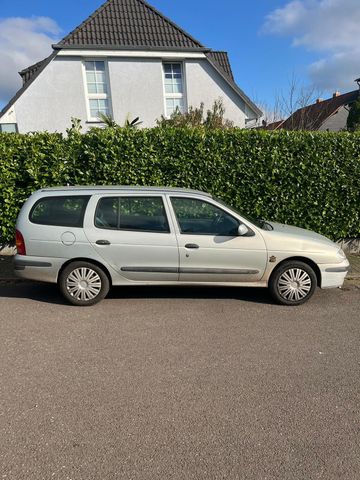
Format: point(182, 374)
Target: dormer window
point(174, 88)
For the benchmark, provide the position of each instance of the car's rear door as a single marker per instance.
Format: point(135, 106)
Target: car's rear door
point(134, 235)
point(210, 248)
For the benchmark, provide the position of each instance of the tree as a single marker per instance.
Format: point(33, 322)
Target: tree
point(353, 120)
point(294, 98)
point(195, 117)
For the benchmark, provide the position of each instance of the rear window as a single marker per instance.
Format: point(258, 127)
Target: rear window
point(64, 211)
point(146, 214)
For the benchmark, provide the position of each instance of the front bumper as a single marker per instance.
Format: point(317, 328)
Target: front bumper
point(333, 275)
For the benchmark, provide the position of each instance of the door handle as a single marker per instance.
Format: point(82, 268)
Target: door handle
point(192, 245)
point(102, 242)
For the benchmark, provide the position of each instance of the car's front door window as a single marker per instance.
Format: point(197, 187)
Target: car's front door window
point(198, 217)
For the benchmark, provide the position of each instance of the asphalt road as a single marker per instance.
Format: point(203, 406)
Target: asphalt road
point(179, 384)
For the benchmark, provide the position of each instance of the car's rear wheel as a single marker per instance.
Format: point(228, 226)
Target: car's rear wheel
point(83, 283)
point(293, 283)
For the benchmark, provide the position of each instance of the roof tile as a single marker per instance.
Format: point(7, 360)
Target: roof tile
point(313, 116)
point(129, 23)
point(222, 60)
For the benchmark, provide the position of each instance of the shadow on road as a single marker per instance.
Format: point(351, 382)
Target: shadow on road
point(48, 293)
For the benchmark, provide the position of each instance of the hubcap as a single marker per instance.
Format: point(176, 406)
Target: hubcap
point(294, 284)
point(83, 284)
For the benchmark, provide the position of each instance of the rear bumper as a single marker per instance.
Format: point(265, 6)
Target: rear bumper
point(333, 275)
point(43, 269)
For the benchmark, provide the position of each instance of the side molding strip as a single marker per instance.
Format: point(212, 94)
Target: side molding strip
point(215, 271)
point(151, 269)
point(220, 271)
point(21, 264)
point(337, 269)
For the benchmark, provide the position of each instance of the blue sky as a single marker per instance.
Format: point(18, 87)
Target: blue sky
point(268, 41)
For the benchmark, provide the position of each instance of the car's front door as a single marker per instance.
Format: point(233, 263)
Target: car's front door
point(132, 233)
point(211, 250)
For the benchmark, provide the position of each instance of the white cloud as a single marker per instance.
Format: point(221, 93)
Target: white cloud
point(23, 42)
point(330, 27)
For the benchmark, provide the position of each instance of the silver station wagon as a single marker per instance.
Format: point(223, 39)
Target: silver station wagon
point(87, 239)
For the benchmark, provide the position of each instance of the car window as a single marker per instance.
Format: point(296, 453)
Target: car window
point(202, 218)
point(145, 214)
point(62, 211)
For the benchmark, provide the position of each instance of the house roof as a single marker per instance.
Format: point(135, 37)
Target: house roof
point(129, 23)
point(270, 126)
point(29, 75)
point(274, 125)
point(313, 116)
point(28, 72)
point(132, 24)
point(222, 60)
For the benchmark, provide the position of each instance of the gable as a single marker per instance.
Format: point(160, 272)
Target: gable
point(133, 27)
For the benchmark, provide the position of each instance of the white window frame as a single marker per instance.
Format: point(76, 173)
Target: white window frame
point(3, 128)
point(96, 96)
point(183, 95)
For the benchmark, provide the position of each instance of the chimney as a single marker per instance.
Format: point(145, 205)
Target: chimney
point(336, 94)
point(319, 100)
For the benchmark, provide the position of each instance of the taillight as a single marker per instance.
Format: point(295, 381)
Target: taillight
point(20, 244)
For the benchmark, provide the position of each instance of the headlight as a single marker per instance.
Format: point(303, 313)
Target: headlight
point(341, 254)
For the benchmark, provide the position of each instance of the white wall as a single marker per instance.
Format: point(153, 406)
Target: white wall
point(337, 121)
point(58, 93)
point(136, 89)
point(204, 84)
point(55, 96)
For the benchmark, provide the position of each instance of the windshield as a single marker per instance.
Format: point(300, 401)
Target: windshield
point(258, 222)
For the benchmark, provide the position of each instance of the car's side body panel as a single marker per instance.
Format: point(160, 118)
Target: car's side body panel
point(210, 258)
point(143, 258)
point(134, 256)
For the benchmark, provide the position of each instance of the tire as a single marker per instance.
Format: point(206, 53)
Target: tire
point(83, 283)
point(292, 283)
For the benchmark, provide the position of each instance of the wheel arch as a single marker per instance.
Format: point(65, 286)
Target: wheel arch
point(306, 260)
point(89, 260)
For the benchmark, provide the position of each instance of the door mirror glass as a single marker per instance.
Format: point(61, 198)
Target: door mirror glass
point(242, 230)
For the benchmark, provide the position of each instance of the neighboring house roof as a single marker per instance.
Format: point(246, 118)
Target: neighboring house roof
point(270, 126)
point(132, 25)
point(313, 116)
point(274, 125)
point(129, 23)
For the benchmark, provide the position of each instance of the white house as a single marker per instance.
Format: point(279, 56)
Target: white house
point(125, 59)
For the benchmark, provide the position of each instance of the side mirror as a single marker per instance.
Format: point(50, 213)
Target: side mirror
point(242, 230)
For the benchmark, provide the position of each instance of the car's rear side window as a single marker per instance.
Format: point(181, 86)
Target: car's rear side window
point(146, 214)
point(62, 211)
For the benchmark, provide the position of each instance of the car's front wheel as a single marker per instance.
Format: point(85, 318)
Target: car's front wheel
point(293, 283)
point(83, 283)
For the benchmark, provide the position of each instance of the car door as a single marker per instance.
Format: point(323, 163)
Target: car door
point(210, 247)
point(133, 234)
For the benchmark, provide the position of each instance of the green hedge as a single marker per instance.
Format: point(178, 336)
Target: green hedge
point(301, 178)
